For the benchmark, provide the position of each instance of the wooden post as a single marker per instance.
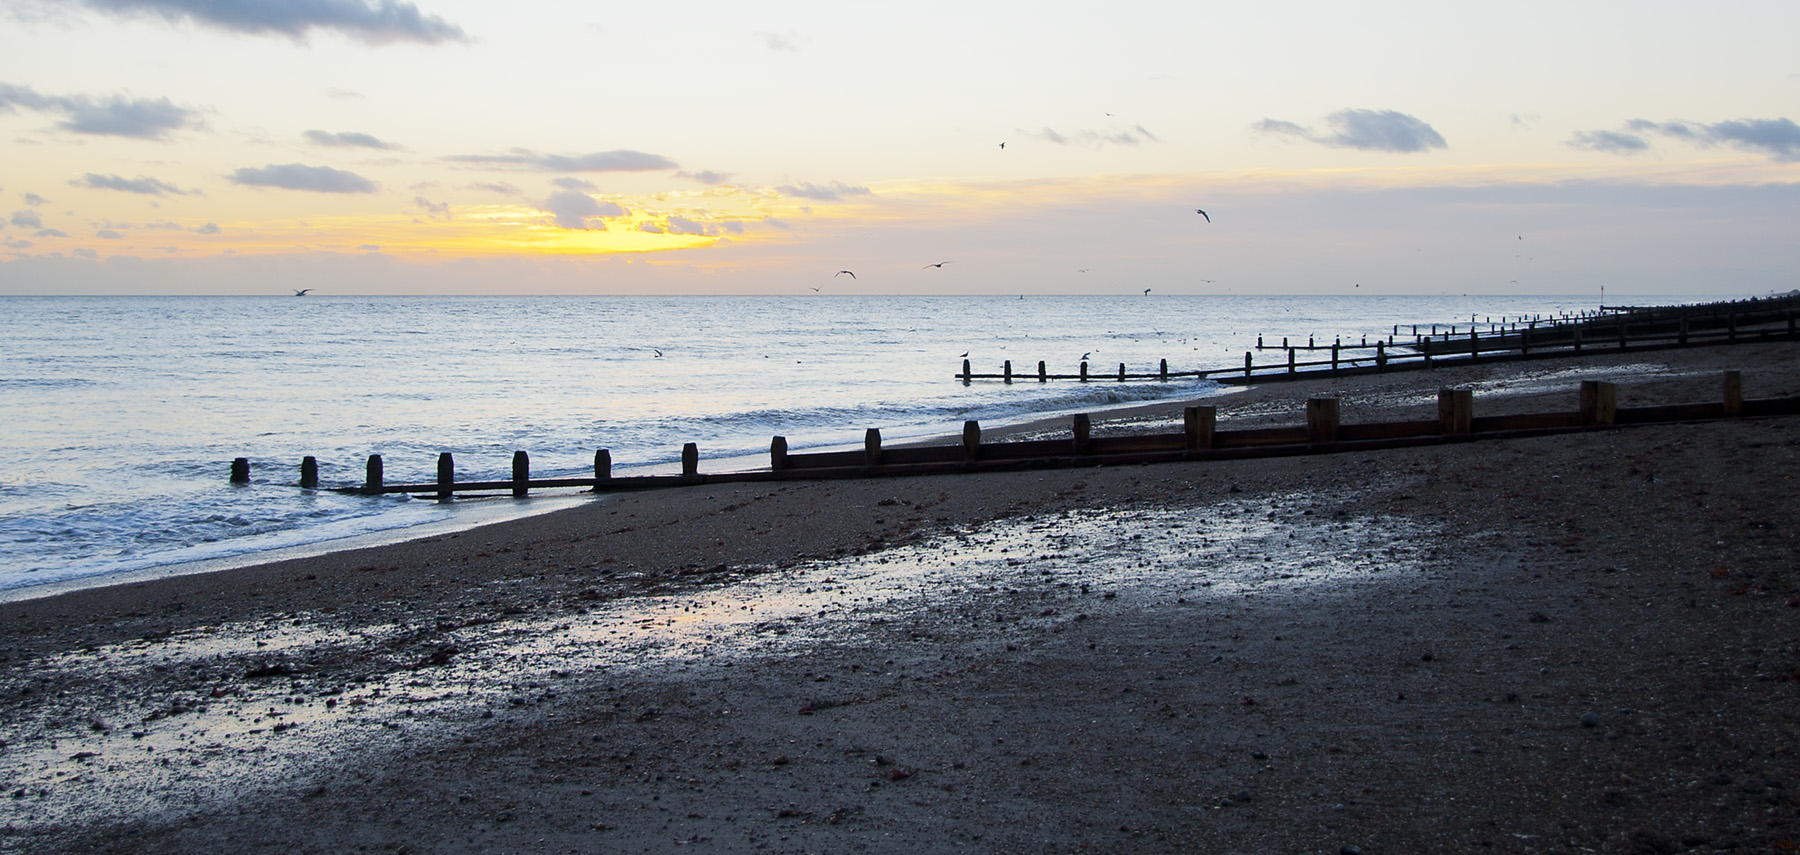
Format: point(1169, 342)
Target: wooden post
point(1043, 374)
point(240, 471)
point(1334, 357)
point(1456, 410)
point(1199, 423)
point(1083, 429)
point(1474, 345)
point(966, 372)
point(1577, 338)
point(1163, 372)
point(1734, 394)
point(971, 440)
point(446, 475)
point(1380, 355)
point(309, 473)
point(372, 476)
point(1731, 326)
point(602, 467)
point(1525, 341)
point(1008, 372)
point(1121, 372)
point(1246, 366)
point(521, 474)
point(1599, 403)
point(778, 454)
point(1084, 371)
point(690, 461)
point(1322, 419)
point(1290, 360)
point(1681, 338)
point(872, 447)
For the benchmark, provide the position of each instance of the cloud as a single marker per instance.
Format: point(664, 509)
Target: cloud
point(370, 247)
point(86, 253)
point(499, 187)
point(707, 177)
point(348, 139)
point(1365, 130)
point(208, 229)
point(50, 233)
point(575, 210)
point(437, 210)
point(622, 160)
point(380, 22)
point(27, 220)
point(647, 226)
point(34, 199)
point(573, 183)
point(1777, 138)
point(685, 226)
point(344, 94)
point(788, 42)
point(141, 184)
point(108, 234)
point(115, 115)
point(1611, 141)
point(296, 176)
point(165, 226)
point(832, 192)
point(17, 244)
point(1136, 135)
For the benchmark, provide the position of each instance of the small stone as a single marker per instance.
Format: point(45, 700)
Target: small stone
point(1590, 719)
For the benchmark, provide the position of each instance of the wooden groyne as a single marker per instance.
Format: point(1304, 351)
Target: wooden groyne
point(1322, 432)
point(1610, 330)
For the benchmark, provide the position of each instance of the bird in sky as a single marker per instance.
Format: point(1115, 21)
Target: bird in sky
point(1086, 355)
point(1081, 270)
point(938, 265)
point(815, 289)
point(842, 272)
point(1203, 214)
point(1003, 146)
point(965, 353)
point(658, 353)
point(301, 292)
point(1146, 291)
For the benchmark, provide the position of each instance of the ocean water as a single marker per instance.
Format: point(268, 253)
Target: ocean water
point(119, 416)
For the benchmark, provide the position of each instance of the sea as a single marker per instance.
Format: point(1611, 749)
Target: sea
point(120, 416)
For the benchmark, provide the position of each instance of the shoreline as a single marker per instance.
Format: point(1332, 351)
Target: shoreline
point(1530, 645)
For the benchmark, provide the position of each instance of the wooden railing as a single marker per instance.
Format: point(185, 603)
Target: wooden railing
point(1199, 439)
point(1616, 331)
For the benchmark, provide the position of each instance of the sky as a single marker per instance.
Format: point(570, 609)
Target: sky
point(533, 147)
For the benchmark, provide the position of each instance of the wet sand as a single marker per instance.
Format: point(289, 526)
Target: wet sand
point(1570, 643)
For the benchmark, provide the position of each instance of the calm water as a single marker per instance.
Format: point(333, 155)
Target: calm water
point(119, 416)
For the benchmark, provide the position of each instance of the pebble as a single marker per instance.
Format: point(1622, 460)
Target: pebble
point(1590, 719)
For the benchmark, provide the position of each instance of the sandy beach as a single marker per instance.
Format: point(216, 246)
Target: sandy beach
point(1575, 643)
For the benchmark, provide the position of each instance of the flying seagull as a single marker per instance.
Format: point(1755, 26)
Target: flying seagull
point(658, 353)
point(965, 353)
point(1003, 146)
point(938, 265)
point(842, 272)
point(1086, 355)
point(301, 292)
point(1203, 214)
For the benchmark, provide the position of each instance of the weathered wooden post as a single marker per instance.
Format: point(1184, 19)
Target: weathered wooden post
point(1599, 403)
point(966, 372)
point(1322, 419)
point(872, 447)
point(1084, 371)
point(1246, 366)
point(1731, 326)
point(1380, 356)
point(240, 471)
point(521, 474)
point(1163, 372)
point(446, 482)
point(1121, 372)
point(1083, 430)
point(309, 473)
point(971, 440)
point(1474, 345)
point(1334, 357)
point(1198, 424)
point(690, 461)
point(1577, 330)
point(1734, 394)
point(778, 459)
point(1008, 372)
point(1043, 374)
point(1456, 410)
point(1525, 341)
point(372, 475)
point(1290, 360)
point(602, 467)
point(1681, 337)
